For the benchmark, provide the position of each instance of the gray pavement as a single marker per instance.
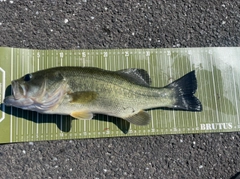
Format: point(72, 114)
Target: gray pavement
point(98, 24)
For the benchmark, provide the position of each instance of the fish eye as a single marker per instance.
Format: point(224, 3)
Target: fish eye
point(27, 77)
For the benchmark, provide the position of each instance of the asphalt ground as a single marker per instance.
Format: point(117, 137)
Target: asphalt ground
point(98, 24)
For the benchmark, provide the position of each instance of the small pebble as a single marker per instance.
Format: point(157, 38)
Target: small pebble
point(55, 158)
point(65, 21)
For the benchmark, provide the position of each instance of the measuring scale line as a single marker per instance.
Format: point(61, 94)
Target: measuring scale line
point(155, 61)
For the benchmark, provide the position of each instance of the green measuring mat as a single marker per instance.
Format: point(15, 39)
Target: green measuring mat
point(217, 71)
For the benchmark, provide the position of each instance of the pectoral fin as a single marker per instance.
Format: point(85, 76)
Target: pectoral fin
point(141, 118)
point(82, 115)
point(83, 96)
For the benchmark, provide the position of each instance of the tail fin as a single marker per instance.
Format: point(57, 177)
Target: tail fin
point(185, 87)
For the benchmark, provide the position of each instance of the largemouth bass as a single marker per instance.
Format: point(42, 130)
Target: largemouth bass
point(84, 91)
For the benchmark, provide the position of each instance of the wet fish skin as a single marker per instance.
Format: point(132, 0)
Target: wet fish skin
point(84, 91)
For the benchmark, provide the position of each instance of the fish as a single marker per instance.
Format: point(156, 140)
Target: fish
point(82, 92)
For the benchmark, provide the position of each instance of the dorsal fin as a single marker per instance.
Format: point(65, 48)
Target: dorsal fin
point(137, 76)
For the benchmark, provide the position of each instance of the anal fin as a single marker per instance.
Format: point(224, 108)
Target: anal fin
point(141, 118)
point(82, 115)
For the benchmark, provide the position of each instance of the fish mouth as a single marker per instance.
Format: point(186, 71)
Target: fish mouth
point(18, 90)
point(20, 103)
point(18, 97)
point(41, 102)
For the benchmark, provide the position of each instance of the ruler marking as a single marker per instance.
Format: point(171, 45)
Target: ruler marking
point(192, 114)
point(235, 93)
point(28, 60)
point(214, 87)
point(11, 117)
point(149, 63)
point(22, 71)
point(170, 71)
